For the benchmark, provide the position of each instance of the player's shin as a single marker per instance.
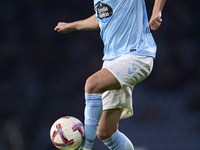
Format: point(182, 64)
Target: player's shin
point(93, 112)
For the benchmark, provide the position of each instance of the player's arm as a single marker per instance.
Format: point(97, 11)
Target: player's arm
point(156, 20)
point(90, 23)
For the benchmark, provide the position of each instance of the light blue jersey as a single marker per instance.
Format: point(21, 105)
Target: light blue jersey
point(124, 28)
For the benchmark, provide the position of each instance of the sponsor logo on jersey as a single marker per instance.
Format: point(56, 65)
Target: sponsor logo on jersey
point(148, 30)
point(104, 12)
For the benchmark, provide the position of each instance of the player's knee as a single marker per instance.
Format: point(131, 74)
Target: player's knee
point(91, 86)
point(102, 135)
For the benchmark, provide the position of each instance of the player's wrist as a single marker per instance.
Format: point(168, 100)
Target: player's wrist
point(71, 26)
point(77, 25)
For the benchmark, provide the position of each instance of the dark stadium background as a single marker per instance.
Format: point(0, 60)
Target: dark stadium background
point(42, 75)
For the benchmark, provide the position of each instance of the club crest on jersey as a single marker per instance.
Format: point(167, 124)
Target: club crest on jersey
point(104, 12)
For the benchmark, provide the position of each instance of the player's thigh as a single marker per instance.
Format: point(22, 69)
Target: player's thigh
point(108, 124)
point(101, 81)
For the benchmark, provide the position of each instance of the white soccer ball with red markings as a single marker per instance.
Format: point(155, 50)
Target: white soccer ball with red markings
point(67, 133)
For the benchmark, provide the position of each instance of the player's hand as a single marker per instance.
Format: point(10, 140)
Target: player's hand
point(155, 21)
point(63, 27)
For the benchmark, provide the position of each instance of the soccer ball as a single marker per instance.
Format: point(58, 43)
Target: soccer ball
point(67, 133)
